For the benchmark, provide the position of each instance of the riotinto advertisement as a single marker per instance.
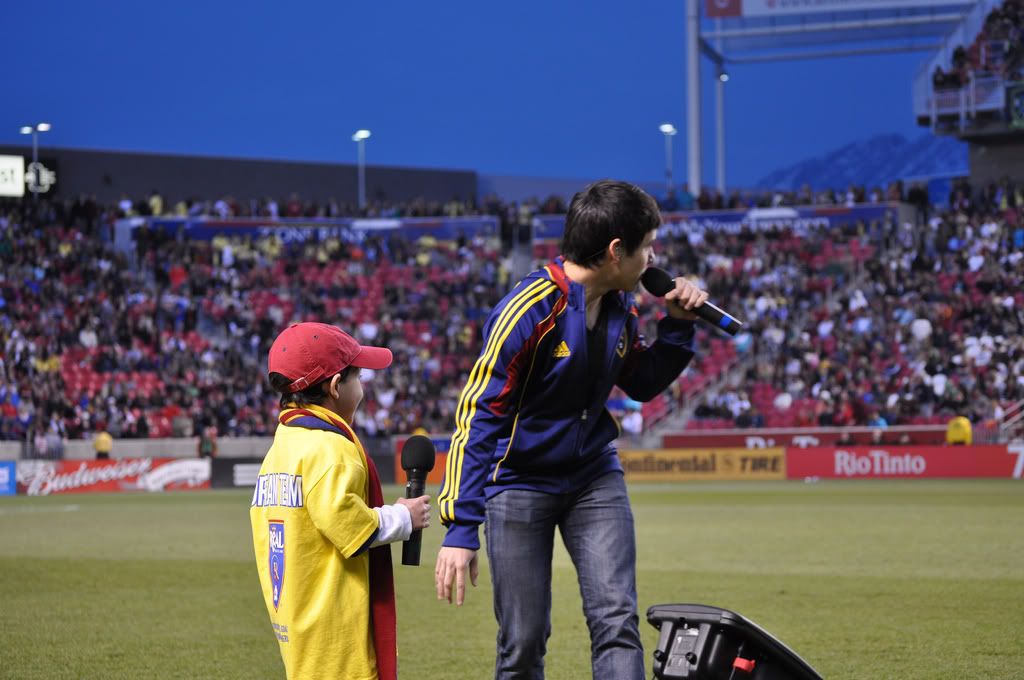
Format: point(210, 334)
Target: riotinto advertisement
point(907, 462)
point(691, 464)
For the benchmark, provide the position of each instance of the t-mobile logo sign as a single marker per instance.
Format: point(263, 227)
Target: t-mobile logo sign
point(723, 8)
point(1017, 450)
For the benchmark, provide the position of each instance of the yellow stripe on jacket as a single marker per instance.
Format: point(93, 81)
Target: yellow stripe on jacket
point(478, 380)
point(461, 427)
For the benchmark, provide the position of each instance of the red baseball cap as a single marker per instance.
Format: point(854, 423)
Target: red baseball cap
point(310, 352)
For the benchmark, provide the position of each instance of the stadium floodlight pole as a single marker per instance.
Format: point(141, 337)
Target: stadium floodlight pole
point(720, 82)
point(34, 130)
point(669, 130)
point(693, 95)
point(360, 138)
point(723, 78)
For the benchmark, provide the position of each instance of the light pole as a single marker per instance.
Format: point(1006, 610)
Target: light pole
point(34, 130)
point(723, 78)
point(360, 138)
point(669, 130)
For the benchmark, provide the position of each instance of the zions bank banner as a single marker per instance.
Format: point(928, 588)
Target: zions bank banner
point(906, 462)
point(723, 9)
point(46, 477)
point(800, 220)
point(801, 438)
point(348, 230)
point(8, 477)
point(235, 473)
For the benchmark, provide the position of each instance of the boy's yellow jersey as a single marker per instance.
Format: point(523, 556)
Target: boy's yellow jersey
point(310, 517)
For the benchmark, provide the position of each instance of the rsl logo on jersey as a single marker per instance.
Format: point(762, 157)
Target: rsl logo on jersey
point(276, 558)
point(620, 346)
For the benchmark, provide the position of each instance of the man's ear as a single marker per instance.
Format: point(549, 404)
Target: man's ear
point(615, 249)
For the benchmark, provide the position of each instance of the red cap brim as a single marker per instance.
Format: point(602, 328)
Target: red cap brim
point(372, 357)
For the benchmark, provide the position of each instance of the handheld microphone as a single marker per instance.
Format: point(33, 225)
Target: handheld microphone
point(659, 282)
point(418, 456)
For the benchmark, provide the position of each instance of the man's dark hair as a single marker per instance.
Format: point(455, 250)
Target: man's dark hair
point(604, 211)
point(314, 394)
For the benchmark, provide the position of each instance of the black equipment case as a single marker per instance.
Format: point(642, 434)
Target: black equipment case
point(699, 642)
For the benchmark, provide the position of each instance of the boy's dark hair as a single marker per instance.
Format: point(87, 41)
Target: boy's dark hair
point(312, 395)
point(604, 211)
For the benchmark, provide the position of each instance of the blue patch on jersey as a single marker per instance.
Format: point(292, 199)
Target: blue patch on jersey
point(276, 558)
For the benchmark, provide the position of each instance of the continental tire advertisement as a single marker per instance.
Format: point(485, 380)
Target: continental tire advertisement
point(667, 465)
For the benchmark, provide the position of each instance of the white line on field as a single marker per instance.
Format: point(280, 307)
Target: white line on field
point(46, 508)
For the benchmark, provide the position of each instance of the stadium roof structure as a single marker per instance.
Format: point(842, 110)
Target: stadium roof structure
point(750, 31)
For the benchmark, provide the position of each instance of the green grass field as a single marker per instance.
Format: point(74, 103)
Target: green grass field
point(863, 579)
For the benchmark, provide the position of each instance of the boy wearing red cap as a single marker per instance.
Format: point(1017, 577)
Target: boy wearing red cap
point(319, 524)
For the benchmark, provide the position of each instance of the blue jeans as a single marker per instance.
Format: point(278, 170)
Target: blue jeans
point(596, 524)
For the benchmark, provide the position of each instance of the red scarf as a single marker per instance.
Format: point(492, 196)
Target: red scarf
point(382, 582)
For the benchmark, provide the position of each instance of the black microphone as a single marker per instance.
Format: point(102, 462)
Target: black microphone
point(659, 282)
point(418, 455)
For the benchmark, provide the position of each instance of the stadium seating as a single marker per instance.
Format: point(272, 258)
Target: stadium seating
point(173, 337)
point(930, 331)
point(997, 49)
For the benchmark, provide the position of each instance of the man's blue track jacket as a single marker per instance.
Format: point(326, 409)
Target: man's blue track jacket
point(532, 415)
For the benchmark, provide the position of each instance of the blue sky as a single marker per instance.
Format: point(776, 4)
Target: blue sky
point(538, 88)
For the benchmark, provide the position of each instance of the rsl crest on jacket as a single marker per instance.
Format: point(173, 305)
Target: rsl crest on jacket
point(276, 529)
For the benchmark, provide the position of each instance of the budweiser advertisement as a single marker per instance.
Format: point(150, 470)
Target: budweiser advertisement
point(802, 437)
point(46, 477)
point(903, 462)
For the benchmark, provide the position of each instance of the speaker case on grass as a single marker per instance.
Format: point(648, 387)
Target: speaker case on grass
point(700, 642)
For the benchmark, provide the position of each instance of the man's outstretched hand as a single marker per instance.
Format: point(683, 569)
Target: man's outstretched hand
point(450, 573)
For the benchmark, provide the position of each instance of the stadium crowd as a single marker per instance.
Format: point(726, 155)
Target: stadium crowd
point(169, 338)
point(513, 215)
point(931, 330)
point(712, 199)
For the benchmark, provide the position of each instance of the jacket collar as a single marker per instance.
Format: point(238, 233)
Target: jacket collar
point(574, 291)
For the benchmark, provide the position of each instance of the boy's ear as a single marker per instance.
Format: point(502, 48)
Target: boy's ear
point(332, 388)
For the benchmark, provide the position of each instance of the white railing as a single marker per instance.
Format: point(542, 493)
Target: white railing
point(992, 55)
point(1013, 421)
point(984, 94)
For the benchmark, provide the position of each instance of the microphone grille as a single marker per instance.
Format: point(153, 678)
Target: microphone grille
point(657, 281)
point(418, 453)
